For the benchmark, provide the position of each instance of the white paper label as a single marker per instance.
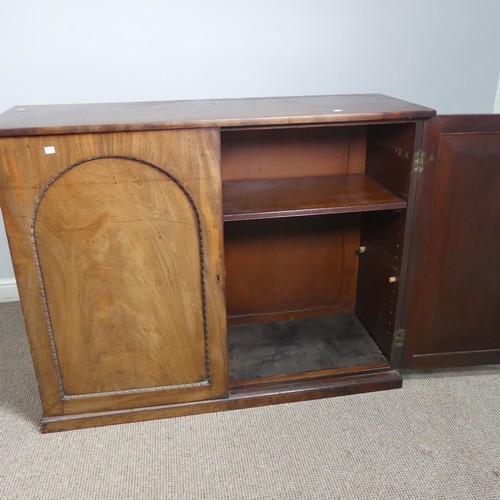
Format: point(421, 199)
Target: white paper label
point(49, 150)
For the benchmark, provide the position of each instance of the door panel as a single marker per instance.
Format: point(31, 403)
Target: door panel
point(454, 294)
point(117, 246)
point(119, 252)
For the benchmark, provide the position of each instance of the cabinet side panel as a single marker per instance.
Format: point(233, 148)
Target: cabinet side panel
point(389, 155)
point(377, 293)
point(385, 235)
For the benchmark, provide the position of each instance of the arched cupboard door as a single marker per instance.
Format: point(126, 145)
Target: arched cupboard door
point(125, 277)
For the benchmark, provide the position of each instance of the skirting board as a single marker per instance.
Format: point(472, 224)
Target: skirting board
point(496, 108)
point(8, 291)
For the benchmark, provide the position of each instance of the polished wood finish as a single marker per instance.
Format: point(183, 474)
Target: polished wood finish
point(381, 277)
point(285, 268)
point(238, 399)
point(389, 156)
point(454, 293)
point(272, 198)
point(116, 214)
point(286, 153)
point(122, 317)
point(118, 117)
point(317, 375)
point(290, 172)
point(97, 264)
point(378, 276)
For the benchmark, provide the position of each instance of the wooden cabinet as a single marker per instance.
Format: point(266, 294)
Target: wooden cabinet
point(183, 257)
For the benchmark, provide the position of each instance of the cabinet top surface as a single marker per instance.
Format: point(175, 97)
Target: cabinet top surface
point(113, 117)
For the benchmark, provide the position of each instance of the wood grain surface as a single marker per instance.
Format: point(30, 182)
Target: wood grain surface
point(87, 118)
point(105, 256)
point(119, 250)
point(454, 292)
point(333, 386)
point(274, 198)
point(301, 265)
point(288, 153)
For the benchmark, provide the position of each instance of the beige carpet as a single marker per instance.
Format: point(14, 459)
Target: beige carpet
point(437, 438)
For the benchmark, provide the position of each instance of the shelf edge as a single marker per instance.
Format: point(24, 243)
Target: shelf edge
point(302, 212)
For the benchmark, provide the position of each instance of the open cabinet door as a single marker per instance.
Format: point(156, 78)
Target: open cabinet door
point(453, 295)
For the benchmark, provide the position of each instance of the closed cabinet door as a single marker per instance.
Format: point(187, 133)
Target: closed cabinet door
point(117, 246)
point(453, 299)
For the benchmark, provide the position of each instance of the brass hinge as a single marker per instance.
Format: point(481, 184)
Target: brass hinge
point(418, 161)
point(399, 338)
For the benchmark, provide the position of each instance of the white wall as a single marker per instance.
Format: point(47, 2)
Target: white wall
point(441, 53)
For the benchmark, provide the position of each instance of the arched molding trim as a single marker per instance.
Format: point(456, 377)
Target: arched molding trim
point(39, 272)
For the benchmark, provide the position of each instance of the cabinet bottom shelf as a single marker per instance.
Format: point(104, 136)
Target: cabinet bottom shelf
point(298, 349)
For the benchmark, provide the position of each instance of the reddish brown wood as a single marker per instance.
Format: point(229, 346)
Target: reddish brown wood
point(390, 153)
point(389, 156)
point(376, 298)
point(115, 117)
point(286, 265)
point(283, 161)
point(272, 198)
point(119, 349)
point(454, 284)
point(357, 150)
point(238, 399)
point(400, 314)
point(316, 375)
point(285, 153)
point(452, 359)
point(339, 308)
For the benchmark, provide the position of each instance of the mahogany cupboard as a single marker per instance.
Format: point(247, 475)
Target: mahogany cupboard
point(183, 257)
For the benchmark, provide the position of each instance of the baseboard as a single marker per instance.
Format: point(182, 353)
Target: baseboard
point(237, 400)
point(8, 291)
point(496, 108)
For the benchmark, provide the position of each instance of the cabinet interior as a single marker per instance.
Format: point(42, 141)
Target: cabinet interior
point(314, 220)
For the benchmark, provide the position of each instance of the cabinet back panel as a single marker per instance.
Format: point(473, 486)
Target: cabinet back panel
point(292, 152)
point(281, 267)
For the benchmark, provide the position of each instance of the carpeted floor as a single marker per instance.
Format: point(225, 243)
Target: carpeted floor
point(437, 438)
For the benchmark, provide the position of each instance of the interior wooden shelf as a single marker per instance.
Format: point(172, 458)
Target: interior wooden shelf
point(274, 198)
point(261, 351)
